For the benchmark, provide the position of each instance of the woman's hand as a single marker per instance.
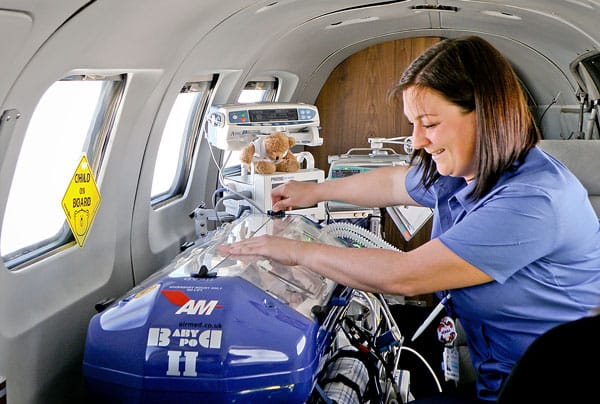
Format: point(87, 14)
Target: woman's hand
point(294, 194)
point(283, 250)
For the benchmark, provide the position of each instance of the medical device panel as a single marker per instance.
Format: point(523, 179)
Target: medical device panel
point(233, 126)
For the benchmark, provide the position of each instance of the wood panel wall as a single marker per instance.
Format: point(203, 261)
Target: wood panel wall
point(353, 106)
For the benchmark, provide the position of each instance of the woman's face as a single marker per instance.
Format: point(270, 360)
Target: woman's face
point(443, 130)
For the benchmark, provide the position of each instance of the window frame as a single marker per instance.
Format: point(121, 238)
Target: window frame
point(95, 146)
point(271, 90)
point(191, 141)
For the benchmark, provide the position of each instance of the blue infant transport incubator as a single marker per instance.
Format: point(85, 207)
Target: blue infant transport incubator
point(209, 328)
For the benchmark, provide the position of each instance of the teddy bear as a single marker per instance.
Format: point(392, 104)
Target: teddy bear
point(270, 153)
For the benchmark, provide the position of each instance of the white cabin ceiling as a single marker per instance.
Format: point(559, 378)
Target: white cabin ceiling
point(306, 38)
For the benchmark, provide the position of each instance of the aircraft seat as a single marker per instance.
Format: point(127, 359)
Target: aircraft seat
point(582, 157)
point(553, 369)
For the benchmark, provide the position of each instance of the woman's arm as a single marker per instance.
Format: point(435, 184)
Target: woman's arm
point(376, 188)
point(428, 268)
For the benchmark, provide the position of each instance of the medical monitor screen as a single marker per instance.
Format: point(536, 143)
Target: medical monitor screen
point(271, 115)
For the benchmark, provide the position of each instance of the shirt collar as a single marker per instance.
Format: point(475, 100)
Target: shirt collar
point(462, 195)
point(463, 191)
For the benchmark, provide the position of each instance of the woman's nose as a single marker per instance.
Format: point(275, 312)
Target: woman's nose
point(419, 139)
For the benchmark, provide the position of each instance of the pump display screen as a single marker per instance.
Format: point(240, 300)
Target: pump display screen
point(270, 115)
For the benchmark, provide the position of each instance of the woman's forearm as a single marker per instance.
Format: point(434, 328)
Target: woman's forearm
point(376, 188)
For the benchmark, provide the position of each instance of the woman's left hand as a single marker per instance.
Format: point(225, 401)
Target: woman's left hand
point(283, 250)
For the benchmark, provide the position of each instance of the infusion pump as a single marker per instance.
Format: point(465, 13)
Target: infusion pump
point(233, 126)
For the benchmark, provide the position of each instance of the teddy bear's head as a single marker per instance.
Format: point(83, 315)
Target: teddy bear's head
point(277, 145)
point(270, 153)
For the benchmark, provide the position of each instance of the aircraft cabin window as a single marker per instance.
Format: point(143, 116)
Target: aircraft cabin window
point(254, 91)
point(259, 91)
point(73, 117)
point(178, 141)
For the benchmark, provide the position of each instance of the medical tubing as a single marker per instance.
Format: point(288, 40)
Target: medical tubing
point(370, 302)
point(418, 355)
point(221, 179)
point(382, 309)
point(367, 238)
point(392, 325)
point(358, 234)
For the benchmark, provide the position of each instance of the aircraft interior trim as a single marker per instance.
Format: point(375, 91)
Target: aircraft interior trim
point(121, 126)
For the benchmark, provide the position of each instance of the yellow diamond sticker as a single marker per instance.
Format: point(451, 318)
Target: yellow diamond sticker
point(81, 201)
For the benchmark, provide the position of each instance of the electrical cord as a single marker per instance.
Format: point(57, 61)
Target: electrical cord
point(418, 355)
point(355, 339)
point(360, 234)
point(221, 182)
point(554, 100)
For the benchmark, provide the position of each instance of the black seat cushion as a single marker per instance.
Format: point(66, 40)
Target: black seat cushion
point(561, 366)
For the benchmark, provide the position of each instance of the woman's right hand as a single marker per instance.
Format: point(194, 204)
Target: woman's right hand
point(294, 194)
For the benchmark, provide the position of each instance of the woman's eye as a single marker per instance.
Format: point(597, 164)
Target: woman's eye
point(431, 125)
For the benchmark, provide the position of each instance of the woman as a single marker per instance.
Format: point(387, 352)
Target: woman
point(515, 239)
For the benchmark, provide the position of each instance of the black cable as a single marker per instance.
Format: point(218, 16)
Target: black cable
point(371, 351)
point(554, 100)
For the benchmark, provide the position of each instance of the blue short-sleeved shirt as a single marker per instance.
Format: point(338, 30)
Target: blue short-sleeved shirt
point(538, 236)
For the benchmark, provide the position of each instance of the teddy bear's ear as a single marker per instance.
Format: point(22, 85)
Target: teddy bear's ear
point(291, 141)
point(246, 154)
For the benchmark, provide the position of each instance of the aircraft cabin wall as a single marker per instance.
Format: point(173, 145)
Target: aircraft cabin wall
point(142, 58)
